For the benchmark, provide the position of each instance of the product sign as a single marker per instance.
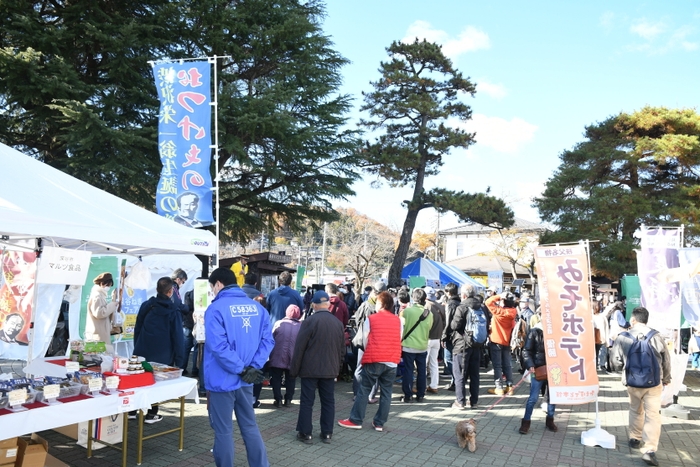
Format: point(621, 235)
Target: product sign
point(52, 391)
point(17, 397)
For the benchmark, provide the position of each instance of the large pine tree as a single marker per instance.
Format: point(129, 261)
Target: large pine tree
point(418, 91)
point(631, 169)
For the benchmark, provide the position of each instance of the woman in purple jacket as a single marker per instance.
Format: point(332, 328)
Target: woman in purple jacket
point(285, 334)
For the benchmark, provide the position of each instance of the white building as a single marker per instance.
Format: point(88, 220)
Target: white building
point(474, 248)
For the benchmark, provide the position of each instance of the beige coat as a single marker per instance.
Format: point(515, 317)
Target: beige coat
point(99, 317)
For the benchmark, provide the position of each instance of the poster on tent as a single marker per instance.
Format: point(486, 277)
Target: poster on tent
point(567, 324)
point(16, 296)
point(657, 264)
point(131, 303)
point(689, 259)
point(184, 192)
point(98, 265)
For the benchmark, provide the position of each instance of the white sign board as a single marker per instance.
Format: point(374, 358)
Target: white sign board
point(63, 266)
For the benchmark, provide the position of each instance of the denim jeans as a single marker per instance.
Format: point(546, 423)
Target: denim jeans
point(535, 387)
point(221, 407)
point(409, 359)
point(447, 352)
point(466, 365)
point(325, 386)
point(500, 357)
point(373, 373)
point(189, 343)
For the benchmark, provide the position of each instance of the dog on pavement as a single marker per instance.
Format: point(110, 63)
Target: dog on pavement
point(466, 434)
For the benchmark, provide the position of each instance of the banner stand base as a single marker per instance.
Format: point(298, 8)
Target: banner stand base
point(598, 437)
point(677, 411)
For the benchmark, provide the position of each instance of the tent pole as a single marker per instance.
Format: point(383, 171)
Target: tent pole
point(30, 334)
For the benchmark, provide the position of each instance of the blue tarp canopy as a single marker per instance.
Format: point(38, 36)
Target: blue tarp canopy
point(437, 274)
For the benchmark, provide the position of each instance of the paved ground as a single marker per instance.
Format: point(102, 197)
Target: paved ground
point(422, 435)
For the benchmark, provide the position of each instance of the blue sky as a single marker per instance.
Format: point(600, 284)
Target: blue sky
point(544, 70)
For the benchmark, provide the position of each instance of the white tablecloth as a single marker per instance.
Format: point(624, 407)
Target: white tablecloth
point(45, 418)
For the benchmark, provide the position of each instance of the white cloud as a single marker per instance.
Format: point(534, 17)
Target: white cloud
point(606, 19)
point(469, 40)
point(497, 91)
point(647, 30)
point(503, 135)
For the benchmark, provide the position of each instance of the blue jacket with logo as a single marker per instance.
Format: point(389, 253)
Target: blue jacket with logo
point(238, 334)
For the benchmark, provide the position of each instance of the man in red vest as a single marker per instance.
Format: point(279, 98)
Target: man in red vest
point(382, 343)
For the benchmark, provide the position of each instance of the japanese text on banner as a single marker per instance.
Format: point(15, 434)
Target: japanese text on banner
point(567, 324)
point(184, 142)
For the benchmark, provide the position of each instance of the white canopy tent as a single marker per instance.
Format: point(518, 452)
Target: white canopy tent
point(42, 206)
point(40, 202)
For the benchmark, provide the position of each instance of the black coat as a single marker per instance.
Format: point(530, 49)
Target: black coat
point(320, 347)
point(459, 323)
point(534, 353)
point(450, 308)
point(158, 332)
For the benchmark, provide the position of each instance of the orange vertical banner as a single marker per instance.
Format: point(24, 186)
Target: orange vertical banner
point(567, 322)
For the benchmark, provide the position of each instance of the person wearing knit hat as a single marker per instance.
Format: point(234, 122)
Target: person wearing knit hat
point(285, 334)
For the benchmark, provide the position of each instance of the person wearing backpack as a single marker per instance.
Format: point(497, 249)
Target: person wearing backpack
point(469, 330)
point(642, 353)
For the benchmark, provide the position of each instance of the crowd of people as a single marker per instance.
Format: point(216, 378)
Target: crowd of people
point(379, 338)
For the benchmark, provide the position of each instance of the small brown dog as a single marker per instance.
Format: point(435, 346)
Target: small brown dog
point(466, 434)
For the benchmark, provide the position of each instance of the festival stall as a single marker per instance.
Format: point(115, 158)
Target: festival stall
point(437, 274)
point(52, 229)
point(43, 208)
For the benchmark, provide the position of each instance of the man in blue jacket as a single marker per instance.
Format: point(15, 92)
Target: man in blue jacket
point(238, 343)
point(279, 299)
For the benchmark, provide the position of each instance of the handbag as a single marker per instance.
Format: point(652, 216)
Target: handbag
point(358, 340)
point(117, 321)
point(541, 373)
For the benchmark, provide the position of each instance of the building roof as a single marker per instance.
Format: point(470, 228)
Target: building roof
point(520, 225)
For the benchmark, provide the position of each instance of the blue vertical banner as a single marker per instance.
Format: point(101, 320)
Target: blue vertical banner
point(184, 142)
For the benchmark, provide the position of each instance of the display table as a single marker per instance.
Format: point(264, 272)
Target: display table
point(83, 408)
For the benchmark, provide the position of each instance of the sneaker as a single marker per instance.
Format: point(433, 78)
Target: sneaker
point(406, 399)
point(151, 419)
point(432, 391)
point(496, 391)
point(457, 405)
point(450, 387)
point(347, 423)
point(474, 406)
point(420, 399)
point(326, 438)
point(287, 403)
point(257, 404)
point(277, 403)
point(304, 438)
point(650, 458)
point(377, 427)
point(634, 443)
